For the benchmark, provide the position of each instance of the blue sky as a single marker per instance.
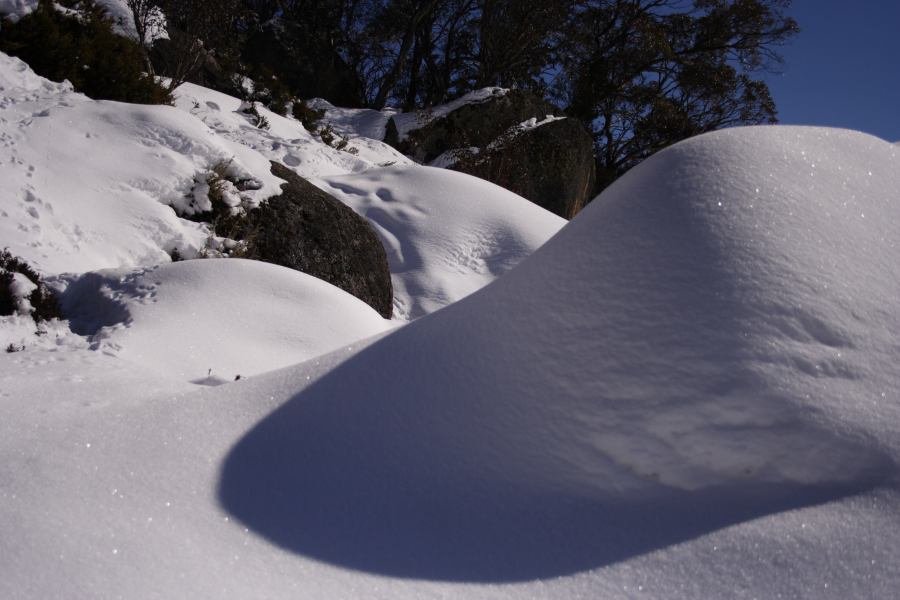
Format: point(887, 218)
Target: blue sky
point(843, 69)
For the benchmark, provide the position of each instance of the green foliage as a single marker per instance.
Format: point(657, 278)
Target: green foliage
point(646, 74)
point(84, 50)
point(270, 91)
point(42, 299)
point(308, 116)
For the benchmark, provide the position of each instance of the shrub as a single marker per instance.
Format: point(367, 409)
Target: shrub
point(84, 50)
point(43, 302)
point(258, 120)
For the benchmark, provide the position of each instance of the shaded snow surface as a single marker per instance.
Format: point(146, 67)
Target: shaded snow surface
point(714, 339)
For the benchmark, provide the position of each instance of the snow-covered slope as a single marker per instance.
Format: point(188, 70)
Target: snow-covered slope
point(690, 392)
point(447, 234)
point(88, 185)
point(285, 140)
point(92, 185)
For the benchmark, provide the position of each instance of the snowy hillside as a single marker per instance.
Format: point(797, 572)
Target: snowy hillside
point(92, 185)
point(688, 391)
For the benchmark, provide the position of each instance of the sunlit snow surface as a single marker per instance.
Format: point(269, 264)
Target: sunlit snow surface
point(690, 392)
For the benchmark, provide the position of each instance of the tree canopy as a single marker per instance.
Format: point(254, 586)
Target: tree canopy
point(640, 74)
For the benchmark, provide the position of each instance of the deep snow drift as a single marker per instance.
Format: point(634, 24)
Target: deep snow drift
point(712, 340)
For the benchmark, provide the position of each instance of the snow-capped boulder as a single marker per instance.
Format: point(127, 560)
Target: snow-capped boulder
point(310, 231)
point(508, 137)
point(549, 161)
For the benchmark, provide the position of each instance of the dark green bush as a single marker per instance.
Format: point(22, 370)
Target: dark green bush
point(42, 299)
point(84, 50)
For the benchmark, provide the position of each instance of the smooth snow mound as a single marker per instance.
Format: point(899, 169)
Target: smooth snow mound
point(712, 340)
point(208, 321)
point(447, 234)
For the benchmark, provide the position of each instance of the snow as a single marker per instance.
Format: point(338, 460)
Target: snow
point(369, 123)
point(215, 318)
point(689, 391)
point(712, 342)
point(116, 10)
point(89, 185)
point(447, 234)
point(285, 141)
point(21, 288)
point(354, 122)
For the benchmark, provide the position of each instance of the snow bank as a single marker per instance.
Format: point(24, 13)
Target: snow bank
point(88, 184)
point(447, 234)
point(209, 321)
point(711, 341)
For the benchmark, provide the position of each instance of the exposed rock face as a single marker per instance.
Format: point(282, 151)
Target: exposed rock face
point(306, 229)
point(551, 164)
point(472, 125)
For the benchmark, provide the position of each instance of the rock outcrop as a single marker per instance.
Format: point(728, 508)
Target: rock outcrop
point(551, 164)
point(514, 140)
point(308, 230)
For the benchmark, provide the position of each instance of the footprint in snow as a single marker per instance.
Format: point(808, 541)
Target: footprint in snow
point(291, 160)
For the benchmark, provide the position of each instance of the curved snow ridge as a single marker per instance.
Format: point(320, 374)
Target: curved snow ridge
point(447, 234)
point(208, 321)
point(708, 342)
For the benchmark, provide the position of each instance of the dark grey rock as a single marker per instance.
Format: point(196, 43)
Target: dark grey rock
point(308, 230)
point(552, 165)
